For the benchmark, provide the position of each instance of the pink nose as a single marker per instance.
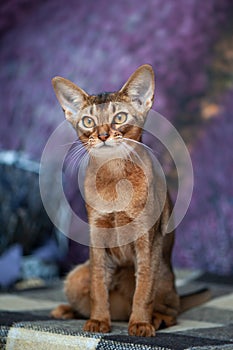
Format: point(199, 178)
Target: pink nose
point(103, 136)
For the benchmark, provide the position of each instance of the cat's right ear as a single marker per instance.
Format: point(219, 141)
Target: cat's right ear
point(70, 97)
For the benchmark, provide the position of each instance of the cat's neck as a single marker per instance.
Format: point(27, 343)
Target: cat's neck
point(110, 169)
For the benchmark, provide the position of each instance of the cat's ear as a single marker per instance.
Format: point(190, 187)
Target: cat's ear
point(70, 97)
point(140, 87)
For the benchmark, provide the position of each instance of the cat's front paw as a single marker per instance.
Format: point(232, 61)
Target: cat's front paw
point(97, 326)
point(141, 329)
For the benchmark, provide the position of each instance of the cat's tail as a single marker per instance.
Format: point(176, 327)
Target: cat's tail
point(188, 301)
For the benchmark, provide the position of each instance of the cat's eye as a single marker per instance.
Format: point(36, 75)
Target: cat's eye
point(88, 122)
point(120, 118)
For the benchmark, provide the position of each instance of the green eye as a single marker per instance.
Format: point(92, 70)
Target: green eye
point(88, 122)
point(120, 118)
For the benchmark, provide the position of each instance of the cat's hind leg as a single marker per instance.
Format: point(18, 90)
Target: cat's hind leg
point(63, 311)
point(77, 290)
point(161, 320)
point(166, 303)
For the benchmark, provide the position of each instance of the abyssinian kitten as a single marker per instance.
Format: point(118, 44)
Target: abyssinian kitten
point(133, 280)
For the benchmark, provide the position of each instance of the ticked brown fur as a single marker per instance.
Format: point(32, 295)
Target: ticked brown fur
point(129, 275)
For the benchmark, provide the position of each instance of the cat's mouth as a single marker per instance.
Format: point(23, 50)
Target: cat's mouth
point(107, 144)
point(104, 144)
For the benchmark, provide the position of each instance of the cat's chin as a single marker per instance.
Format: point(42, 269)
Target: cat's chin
point(103, 147)
point(107, 150)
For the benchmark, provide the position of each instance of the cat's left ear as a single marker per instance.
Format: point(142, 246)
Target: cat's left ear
point(140, 88)
point(70, 96)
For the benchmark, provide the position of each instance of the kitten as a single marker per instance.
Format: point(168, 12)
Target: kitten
point(129, 275)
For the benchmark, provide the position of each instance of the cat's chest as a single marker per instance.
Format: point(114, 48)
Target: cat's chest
point(115, 187)
point(121, 256)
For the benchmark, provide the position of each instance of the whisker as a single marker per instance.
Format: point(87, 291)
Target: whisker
point(85, 161)
point(142, 144)
point(135, 154)
point(128, 150)
point(78, 164)
point(75, 152)
point(71, 143)
point(75, 156)
point(78, 145)
point(75, 161)
point(126, 154)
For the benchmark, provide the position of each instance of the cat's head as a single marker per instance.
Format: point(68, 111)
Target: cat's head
point(106, 120)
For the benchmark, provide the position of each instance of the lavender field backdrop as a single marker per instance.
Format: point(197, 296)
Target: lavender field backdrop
point(98, 44)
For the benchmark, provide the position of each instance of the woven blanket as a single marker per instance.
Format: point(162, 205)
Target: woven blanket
point(25, 324)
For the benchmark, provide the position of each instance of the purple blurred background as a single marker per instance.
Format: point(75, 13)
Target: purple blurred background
point(98, 44)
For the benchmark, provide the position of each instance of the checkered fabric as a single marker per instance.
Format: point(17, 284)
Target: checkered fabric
point(25, 324)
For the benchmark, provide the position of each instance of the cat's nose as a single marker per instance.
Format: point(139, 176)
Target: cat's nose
point(103, 136)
